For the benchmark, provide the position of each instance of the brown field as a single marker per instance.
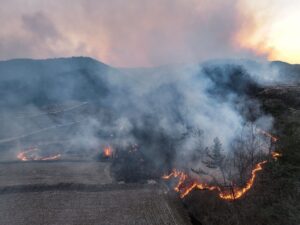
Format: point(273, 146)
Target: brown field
point(29, 173)
point(83, 193)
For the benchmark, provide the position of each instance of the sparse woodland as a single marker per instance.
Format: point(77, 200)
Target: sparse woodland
point(274, 198)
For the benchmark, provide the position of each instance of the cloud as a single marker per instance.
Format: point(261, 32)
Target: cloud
point(36, 36)
point(124, 33)
point(40, 26)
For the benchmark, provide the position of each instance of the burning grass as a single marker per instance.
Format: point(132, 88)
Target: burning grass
point(107, 152)
point(34, 154)
point(185, 184)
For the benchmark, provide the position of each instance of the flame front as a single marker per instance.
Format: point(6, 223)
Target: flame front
point(54, 157)
point(186, 184)
point(239, 192)
point(184, 187)
point(27, 155)
point(276, 155)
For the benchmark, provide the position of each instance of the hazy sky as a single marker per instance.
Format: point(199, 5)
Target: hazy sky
point(150, 32)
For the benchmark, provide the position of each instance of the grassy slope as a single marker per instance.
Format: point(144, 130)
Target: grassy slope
point(275, 198)
point(280, 203)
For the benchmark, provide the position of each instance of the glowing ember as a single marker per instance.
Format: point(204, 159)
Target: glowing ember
point(31, 155)
point(276, 155)
point(54, 157)
point(107, 152)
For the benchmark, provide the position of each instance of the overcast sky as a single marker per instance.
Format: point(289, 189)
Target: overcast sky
point(150, 32)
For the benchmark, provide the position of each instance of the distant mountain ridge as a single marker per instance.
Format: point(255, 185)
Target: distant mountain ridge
point(24, 81)
point(39, 82)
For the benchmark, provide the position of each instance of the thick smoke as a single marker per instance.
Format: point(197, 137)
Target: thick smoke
point(135, 33)
point(78, 106)
point(182, 109)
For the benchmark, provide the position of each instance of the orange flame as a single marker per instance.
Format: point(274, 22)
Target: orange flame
point(236, 193)
point(185, 184)
point(107, 152)
point(54, 157)
point(27, 156)
point(276, 155)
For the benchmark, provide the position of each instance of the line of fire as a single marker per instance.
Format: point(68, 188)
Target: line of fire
point(184, 181)
point(229, 191)
point(35, 154)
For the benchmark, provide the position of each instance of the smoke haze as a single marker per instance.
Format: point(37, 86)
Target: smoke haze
point(80, 105)
point(131, 33)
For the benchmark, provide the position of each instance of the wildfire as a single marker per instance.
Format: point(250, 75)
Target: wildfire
point(107, 152)
point(186, 184)
point(30, 155)
point(276, 155)
point(237, 193)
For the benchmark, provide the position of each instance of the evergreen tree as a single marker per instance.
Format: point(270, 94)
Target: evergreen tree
point(215, 155)
point(216, 158)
